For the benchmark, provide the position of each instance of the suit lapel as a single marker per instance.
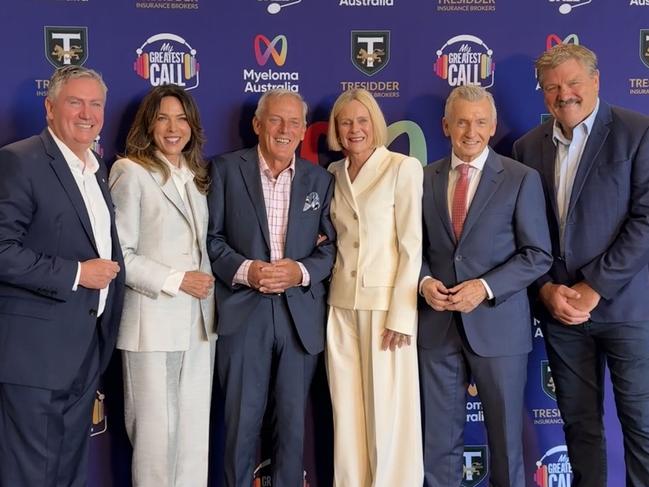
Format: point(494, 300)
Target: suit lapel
point(440, 194)
point(593, 146)
point(492, 177)
point(198, 211)
point(372, 169)
point(548, 156)
point(169, 189)
point(344, 185)
point(251, 178)
point(299, 190)
point(65, 177)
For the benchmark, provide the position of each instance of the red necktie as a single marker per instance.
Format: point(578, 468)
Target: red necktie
point(458, 210)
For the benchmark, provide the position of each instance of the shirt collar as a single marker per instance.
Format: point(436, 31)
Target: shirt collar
point(263, 166)
point(477, 163)
point(89, 167)
point(183, 173)
point(586, 126)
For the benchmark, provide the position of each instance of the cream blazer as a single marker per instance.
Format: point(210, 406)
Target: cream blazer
point(378, 224)
point(158, 234)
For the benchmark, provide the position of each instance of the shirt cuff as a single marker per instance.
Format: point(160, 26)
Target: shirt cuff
point(77, 278)
point(241, 276)
point(421, 284)
point(490, 294)
point(306, 277)
point(172, 284)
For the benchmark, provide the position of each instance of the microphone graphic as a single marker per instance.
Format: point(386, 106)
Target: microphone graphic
point(274, 8)
point(566, 7)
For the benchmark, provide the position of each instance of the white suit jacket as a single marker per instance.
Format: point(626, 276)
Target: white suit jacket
point(158, 233)
point(378, 225)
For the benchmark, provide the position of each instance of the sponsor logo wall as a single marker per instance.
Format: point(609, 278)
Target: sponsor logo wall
point(409, 54)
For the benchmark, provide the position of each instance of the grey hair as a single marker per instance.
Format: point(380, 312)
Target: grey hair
point(561, 53)
point(279, 93)
point(62, 75)
point(469, 93)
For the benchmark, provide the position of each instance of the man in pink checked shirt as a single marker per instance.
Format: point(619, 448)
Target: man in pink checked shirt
point(271, 244)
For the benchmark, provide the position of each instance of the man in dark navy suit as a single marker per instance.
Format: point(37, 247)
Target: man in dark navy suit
point(61, 288)
point(271, 243)
point(594, 301)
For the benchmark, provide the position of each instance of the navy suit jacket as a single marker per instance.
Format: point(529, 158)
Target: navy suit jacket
point(238, 230)
point(45, 327)
point(607, 229)
point(504, 240)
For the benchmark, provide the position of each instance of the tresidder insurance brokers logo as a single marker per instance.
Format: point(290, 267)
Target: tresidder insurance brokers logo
point(475, 6)
point(639, 85)
point(554, 469)
point(370, 54)
point(268, 52)
point(476, 461)
point(167, 59)
point(66, 45)
point(370, 50)
point(465, 60)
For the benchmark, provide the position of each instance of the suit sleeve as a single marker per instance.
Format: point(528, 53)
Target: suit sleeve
point(517, 154)
point(225, 260)
point(321, 260)
point(402, 314)
point(629, 251)
point(533, 257)
point(21, 266)
point(143, 274)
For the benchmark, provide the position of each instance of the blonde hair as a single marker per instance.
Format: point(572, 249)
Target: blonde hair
point(365, 98)
point(561, 53)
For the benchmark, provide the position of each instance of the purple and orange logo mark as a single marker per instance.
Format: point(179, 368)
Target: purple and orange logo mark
point(270, 49)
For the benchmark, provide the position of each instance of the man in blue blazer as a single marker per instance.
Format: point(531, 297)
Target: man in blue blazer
point(271, 244)
point(485, 241)
point(594, 302)
point(61, 288)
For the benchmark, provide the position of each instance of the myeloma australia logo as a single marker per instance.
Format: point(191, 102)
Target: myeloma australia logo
point(167, 59)
point(265, 50)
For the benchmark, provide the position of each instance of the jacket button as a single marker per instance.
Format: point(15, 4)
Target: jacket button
point(355, 216)
point(92, 312)
point(353, 273)
point(458, 258)
point(356, 245)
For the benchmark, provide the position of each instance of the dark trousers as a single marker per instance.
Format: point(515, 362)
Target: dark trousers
point(577, 356)
point(443, 377)
point(262, 362)
point(44, 434)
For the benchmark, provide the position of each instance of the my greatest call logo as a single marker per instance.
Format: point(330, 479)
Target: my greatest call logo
point(465, 60)
point(167, 59)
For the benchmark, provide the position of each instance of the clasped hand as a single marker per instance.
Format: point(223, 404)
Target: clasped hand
point(464, 297)
point(275, 277)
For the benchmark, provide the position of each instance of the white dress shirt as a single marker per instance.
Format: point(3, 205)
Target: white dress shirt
point(84, 175)
point(569, 152)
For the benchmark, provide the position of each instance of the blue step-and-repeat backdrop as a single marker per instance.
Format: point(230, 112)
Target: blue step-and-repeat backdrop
point(409, 53)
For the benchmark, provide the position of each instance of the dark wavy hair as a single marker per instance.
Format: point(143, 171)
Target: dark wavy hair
point(141, 148)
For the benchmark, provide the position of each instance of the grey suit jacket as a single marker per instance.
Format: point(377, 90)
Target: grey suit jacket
point(159, 233)
point(239, 230)
point(505, 241)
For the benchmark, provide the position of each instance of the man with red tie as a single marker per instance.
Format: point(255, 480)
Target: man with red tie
point(485, 240)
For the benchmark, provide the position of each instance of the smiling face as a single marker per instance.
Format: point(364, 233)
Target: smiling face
point(570, 92)
point(171, 131)
point(76, 115)
point(355, 130)
point(469, 125)
point(280, 129)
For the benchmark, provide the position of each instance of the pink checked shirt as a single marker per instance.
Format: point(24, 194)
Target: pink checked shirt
point(277, 196)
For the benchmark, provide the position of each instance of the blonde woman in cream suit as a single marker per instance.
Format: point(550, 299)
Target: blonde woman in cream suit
point(167, 329)
point(371, 354)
